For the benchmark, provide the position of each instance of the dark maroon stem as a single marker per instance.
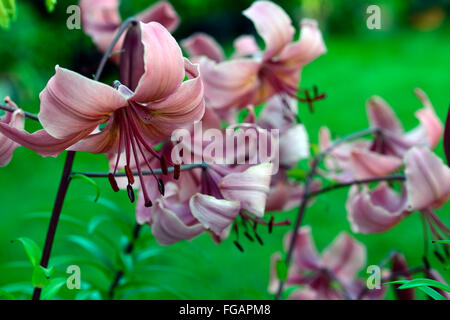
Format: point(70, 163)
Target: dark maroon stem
point(62, 191)
point(27, 114)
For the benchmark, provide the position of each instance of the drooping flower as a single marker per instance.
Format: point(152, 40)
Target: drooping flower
point(245, 80)
point(101, 20)
point(16, 120)
point(74, 107)
point(427, 187)
point(329, 276)
point(362, 159)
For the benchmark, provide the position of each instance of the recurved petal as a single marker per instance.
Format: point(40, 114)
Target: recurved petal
point(163, 64)
point(374, 211)
point(71, 103)
point(105, 141)
point(100, 17)
point(245, 45)
point(427, 179)
point(168, 228)
point(40, 141)
point(294, 145)
point(272, 24)
point(381, 115)
point(202, 44)
point(250, 187)
point(345, 257)
point(161, 12)
point(305, 252)
point(367, 164)
point(16, 120)
point(214, 214)
point(229, 83)
point(180, 109)
point(309, 47)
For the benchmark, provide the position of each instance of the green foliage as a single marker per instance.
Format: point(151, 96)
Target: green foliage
point(90, 181)
point(424, 285)
point(50, 5)
point(282, 270)
point(7, 12)
point(32, 250)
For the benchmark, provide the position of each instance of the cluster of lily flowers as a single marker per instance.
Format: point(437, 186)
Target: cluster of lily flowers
point(159, 90)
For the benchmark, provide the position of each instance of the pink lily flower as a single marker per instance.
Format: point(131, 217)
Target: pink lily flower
point(14, 119)
point(101, 20)
point(73, 107)
point(192, 206)
point(426, 187)
point(393, 140)
point(317, 274)
point(252, 80)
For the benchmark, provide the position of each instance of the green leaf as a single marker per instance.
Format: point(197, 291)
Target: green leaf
point(53, 288)
point(50, 4)
point(92, 248)
point(41, 276)
point(7, 12)
point(62, 218)
point(297, 173)
point(441, 241)
point(425, 282)
point(79, 176)
point(432, 293)
point(31, 249)
point(6, 295)
point(282, 270)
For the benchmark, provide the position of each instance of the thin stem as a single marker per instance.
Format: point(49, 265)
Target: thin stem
point(116, 38)
point(29, 115)
point(183, 167)
point(128, 250)
point(309, 178)
point(56, 212)
point(394, 177)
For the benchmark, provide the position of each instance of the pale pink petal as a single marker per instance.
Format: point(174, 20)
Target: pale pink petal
point(367, 164)
point(272, 24)
point(214, 214)
point(345, 257)
point(279, 113)
point(16, 120)
point(304, 294)
point(163, 64)
point(305, 253)
point(250, 187)
point(40, 141)
point(375, 211)
point(229, 83)
point(105, 141)
point(202, 44)
point(309, 47)
point(245, 46)
point(427, 179)
point(286, 195)
point(161, 12)
point(168, 227)
point(100, 20)
point(180, 109)
point(294, 145)
point(382, 116)
point(71, 103)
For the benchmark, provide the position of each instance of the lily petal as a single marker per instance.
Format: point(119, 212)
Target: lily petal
point(382, 116)
point(202, 44)
point(305, 252)
point(164, 65)
point(16, 120)
point(214, 214)
point(245, 45)
point(272, 24)
point(294, 145)
point(105, 141)
point(367, 164)
point(161, 12)
point(345, 257)
point(427, 179)
point(375, 211)
point(250, 187)
point(71, 103)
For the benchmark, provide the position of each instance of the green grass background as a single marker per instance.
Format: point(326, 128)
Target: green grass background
point(358, 65)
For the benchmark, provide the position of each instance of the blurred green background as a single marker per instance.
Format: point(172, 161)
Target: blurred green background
point(411, 50)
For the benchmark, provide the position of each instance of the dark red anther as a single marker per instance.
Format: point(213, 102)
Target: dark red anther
point(149, 203)
point(249, 237)
point(113, 182)
point(426, 262)
point(309, 101)
point(161, 186)
point(176, 171)
point(238, 245)
point(130, 193)
point(129, 174)
point(271, 224)
point(259, 239)
point(164, 165)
